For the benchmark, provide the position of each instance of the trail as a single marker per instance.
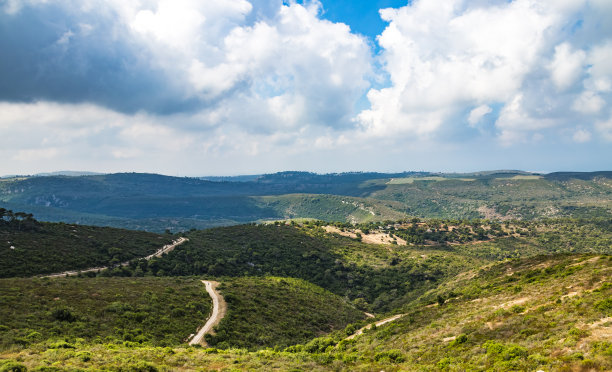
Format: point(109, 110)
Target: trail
point(165, 249)
point(218, 312)
point(378, 324)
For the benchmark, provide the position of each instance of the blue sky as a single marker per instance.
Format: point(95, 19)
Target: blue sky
point(225, 87)
point(361, 16)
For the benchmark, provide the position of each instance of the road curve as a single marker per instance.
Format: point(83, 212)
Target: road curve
point(218, 312)
point(378, 324)
point(165, 249)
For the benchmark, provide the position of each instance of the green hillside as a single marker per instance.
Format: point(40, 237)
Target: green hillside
point(516, 197)
point(468, 294)
point(550, 313)
point(30, 247)
point(331, 208)
point(278, 312)
point(156, 203)
point(376, 278)
point(66, 312)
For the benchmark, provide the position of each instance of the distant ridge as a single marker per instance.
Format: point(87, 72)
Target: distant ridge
point(68, 173)
point(562, 176)
point(58, 173)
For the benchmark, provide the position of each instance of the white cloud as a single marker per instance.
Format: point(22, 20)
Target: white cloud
point(588, 103)
point(515, 121)
point(265, 81)
point(581, 136)
point(248, 70)
point(605, 128)
point(478, 113)
point(567, 66)
point(443, 56)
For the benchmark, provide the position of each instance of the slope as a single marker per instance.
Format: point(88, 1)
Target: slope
point(542, 313)
point(30, 247)
point(375, 277)
point(278, 312)
point(157, 311)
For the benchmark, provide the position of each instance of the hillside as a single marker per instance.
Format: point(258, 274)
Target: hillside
point(155, 202)
point(30, 247)
point(463, 295)
point(545, 313)
point(548, 312)
point(278, 312)
point(373, 276)
point(73, 311)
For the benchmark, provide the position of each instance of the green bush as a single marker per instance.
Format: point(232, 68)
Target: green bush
point(63, 315)
point(461, 339)
point(605, 306)
point(393, 356)
point(11, 366)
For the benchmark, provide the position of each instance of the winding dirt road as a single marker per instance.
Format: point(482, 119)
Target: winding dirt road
point(378, 324)
point(165, 249)
point(218, 312)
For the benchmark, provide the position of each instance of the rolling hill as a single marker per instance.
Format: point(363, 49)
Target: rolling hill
point(156, 203)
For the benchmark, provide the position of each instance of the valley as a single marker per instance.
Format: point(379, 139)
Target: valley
point(374, 289)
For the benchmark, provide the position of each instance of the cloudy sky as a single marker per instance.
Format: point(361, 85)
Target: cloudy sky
point(226, 87)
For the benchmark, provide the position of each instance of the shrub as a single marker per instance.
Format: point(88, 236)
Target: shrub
point(318, 345)
point(85, 356)
point(12, 366)
point(444, 364)
point(142, 366)
point(63, 315)
point(605, 306)
point(393, 355)
point(61, 345)
point(461, 339)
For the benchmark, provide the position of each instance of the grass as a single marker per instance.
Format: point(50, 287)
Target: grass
point(278, 312)
point(541, 313)
point(410, 180)
point(150, 311)
point(548, 313)
point(343, 266)
point(526, 177)
point(56, 247)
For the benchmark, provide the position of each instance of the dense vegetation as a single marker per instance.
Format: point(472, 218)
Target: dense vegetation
point(549, 313)
point(375, 278)
point(544, 313)
point(520, 291)
point(29, 247)
point(64, 312)
point(154, 202)
point(278, 312)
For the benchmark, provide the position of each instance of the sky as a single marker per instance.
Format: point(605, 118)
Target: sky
point(228, 87)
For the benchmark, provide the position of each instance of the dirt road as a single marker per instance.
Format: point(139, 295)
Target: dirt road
point(378, 324)
point(165, 249)
point(218, 312)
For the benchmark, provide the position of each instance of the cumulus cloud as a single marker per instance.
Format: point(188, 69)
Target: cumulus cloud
point(478, 113)
point(542, 61)
point(113, 82)
point(566, 66)
point(166, 57)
